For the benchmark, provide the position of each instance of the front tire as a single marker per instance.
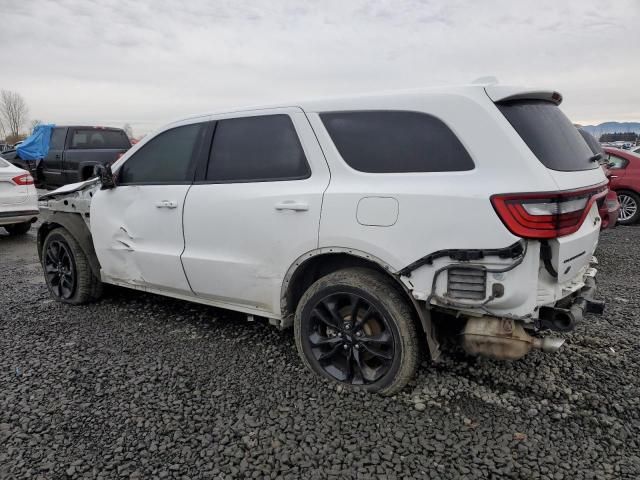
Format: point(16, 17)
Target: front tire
point(629, 207)
point(354, 327)
point(67, 271)
point(18, 228)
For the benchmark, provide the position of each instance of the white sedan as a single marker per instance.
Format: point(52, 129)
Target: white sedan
point(18, 199)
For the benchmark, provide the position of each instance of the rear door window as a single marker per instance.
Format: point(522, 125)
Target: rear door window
point(99, 139)
point(256, 149)
point(549, 134)
point(387, 141)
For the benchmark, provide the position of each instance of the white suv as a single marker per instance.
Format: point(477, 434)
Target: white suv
point(367, 223)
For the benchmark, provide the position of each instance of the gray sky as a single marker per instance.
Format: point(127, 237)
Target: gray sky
point(148, 62)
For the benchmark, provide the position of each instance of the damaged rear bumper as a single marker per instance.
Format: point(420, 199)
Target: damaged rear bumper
point(507, 339)
point(569, 311)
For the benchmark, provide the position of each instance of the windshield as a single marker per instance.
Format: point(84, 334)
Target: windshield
point(549, 134)
point(3, 163)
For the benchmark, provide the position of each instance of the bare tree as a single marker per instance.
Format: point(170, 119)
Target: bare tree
point(34, 124)
point(13, 111)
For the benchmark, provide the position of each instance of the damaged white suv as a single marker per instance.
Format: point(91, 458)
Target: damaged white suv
point(369, 224)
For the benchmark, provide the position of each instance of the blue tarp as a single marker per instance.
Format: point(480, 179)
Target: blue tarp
point(36, 146)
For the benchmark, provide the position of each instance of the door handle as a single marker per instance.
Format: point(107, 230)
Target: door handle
point(292, 205)
point(613, 176)
point(167, 204)
point(57, 157)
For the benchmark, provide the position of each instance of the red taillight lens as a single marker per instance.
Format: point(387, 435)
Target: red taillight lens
point(546, 215)
point(24, 179)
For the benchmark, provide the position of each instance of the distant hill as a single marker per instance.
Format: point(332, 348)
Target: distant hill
point(612, 127)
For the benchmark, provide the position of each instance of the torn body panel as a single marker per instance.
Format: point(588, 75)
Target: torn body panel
point(70, 208)
point(139, 239)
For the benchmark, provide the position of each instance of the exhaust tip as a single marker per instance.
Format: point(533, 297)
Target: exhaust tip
point(551, 344)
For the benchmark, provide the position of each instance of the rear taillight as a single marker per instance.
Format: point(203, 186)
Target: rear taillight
point(611, 202)
point(546, 215)
point(24, 179)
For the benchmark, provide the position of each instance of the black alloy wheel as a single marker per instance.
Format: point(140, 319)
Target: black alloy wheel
point(60, 269)
point(356, 327)
point(350, 339)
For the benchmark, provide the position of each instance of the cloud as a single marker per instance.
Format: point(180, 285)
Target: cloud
point(151, 61)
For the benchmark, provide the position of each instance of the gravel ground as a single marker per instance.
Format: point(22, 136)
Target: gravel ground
point(139, 386)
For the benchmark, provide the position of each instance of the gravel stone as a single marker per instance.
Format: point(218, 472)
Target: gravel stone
point(141, 386)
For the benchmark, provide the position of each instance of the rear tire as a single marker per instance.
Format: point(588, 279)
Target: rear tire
point(629, 207)
point(18, 228)
point(354, 327)
point(67, 271)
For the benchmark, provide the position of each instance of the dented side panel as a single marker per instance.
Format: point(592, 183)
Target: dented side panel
point(137, 233)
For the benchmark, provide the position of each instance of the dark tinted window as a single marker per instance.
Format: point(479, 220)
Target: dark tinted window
point(594, 145)
point(549, 134)
point(256, 149)
point(97, 138)
point(57, 139)
point(167, 158)
point(396, 142)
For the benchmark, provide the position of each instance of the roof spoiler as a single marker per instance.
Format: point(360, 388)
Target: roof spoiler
point(504, 93)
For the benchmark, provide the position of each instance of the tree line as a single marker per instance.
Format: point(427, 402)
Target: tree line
point(619, 137)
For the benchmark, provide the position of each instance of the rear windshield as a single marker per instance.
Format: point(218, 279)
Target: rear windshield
point(594, 145)
point(98, 139)
point(549, 134)
point(3, 163)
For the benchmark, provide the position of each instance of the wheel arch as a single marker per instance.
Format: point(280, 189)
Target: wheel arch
point(622, 189)
point(78, 228)
point(317, 263)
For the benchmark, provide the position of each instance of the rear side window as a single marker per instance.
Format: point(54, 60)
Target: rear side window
point(617, 162)
point(99, 139)
point(549, 134)
point(396, 142)
point(166, 159)
point(250, 149)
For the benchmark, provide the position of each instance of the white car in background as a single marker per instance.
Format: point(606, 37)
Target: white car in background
point(18, 199)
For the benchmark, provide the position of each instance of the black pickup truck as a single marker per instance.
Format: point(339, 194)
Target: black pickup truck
point(74, 151)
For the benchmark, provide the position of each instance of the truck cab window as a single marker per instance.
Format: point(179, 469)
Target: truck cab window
point(57, 138)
